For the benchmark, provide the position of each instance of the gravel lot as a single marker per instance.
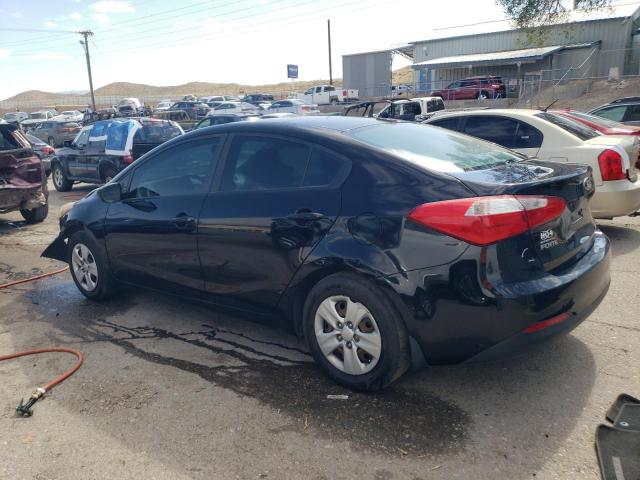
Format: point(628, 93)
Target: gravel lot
point(175, 390)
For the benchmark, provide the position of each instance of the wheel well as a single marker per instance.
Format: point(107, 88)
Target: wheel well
point(295, 312)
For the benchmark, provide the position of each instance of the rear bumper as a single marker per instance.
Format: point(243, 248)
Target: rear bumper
point(616, 199)
point(454, 316)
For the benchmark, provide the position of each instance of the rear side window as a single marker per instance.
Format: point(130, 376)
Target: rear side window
point(8, 142)
point(258, 163)
point(614, 113)
point(575, 128)
point(323, 168)
point(448, 123)
point(434, 148)
point(182, 170)
point(155, 132)
point(634, 114)
point(507, 132)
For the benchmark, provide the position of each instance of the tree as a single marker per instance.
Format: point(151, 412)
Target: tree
point(538, 13)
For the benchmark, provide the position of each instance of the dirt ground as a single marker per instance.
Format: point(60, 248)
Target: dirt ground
point(175, 390)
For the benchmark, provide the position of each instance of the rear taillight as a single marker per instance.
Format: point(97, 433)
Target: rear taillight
point(611, 167)
point(487, 220)
point(128, 158)
point(47, 150)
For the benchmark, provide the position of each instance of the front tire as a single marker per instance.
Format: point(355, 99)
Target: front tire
point(355, 334)
point(35, 215)
point(482, 95)
point(60, 180)
point(89, 268)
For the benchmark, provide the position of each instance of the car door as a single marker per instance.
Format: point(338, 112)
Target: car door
point(151, 233)
point(467, 90)
point(507, 132)
point(76, 163)
point(275, 199)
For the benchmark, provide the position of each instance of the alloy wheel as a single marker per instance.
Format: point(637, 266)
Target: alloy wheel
point(57, 176)
point(348, 335)
point(84, 267)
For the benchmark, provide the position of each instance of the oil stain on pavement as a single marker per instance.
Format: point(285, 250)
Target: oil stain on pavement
point(279, 374)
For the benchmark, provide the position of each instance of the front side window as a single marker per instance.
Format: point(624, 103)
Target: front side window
point(260, 163)
point(182, 170)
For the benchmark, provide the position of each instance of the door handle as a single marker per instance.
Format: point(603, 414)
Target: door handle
point(183, 221)
point(305, 215)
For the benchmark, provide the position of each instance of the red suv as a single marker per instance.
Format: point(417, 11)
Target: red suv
point(473, 87)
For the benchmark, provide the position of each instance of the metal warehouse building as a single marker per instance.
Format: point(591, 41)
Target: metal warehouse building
point(588, 44)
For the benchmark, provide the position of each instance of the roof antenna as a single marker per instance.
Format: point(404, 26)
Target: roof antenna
point(550, 105)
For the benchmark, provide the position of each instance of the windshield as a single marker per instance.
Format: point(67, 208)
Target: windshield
point(575, 128)
point(597, 120)
point(12, 116)
point(434, 148)
point(38, 115)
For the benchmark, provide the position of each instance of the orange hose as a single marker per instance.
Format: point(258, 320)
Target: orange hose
point(58, 379)
point(33, 279)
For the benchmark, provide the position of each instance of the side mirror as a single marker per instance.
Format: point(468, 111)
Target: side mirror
point(111, 192)
point(68, 143)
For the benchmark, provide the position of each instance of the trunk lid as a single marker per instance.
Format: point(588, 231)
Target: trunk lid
point(563, 240)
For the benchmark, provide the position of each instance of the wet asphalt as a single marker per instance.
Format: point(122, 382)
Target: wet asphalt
point(173, 389)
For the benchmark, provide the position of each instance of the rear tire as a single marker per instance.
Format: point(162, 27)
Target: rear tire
point(35, 215)
point(89, 269)
point(367, 346)
point(482, 95)
point(60, 180)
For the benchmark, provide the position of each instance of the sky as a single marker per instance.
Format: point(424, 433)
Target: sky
point(169, 42)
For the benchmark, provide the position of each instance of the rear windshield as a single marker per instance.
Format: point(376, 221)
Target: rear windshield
point(11, 140)
point(575, 128)
point(69, 124)
point(156, 132)
point(434, 148)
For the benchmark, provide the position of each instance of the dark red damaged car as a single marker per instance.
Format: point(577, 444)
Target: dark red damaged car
point(23, 183)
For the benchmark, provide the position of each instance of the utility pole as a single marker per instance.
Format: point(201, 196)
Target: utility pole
point(329, 38)
point(86, 34)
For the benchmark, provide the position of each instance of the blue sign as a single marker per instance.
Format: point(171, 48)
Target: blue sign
point(292, 71)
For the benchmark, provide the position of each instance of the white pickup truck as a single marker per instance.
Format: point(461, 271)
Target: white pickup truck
point(327, 94)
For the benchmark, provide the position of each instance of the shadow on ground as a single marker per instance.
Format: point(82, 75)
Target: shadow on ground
point(438, 412)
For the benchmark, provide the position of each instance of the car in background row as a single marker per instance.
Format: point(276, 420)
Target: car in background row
point(70, 115)
point(234, 107)
point(262, 100)
point(15, 117)
point(55, 132)
point(555, 138)
point(180, 117)
point(129, 107)
point(382, 243)
point(414, 109)
point(220, 98)
point(222, 118)
point(103, 149)
point(624, 110)
point(297, 107)
point(328, 94)
point(23, 183)
point(44, 151)
point(163, 105)
point(195, 109)
point(470, 88)
point(36, 118)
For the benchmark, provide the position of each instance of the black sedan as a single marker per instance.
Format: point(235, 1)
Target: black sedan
point(383, 243)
